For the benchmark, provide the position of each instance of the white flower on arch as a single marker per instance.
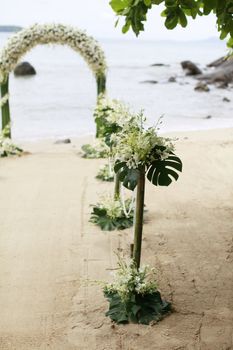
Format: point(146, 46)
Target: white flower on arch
point(38, 34)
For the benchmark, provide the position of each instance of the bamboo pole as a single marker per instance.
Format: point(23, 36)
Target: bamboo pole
point(101, 88)
point(117, 187)
point(101, 84)
point(139, 210)
point(6, 108)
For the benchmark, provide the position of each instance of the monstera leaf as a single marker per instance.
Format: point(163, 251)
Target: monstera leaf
point(159, 172)
point(162, 172)
point(129, 177)
point(141, 309)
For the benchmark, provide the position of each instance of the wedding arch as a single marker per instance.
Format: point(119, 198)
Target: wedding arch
point(18, 45)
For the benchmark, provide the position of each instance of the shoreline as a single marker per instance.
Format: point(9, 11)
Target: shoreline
point(78, 141)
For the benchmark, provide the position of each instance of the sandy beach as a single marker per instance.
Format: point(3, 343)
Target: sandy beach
point(49, 249)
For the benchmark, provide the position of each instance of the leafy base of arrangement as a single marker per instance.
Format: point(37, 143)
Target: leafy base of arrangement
point(7, 148)
point(110, 215)
point(105, 174)
point(142, 309)
point(98, 150)
point(133, 296)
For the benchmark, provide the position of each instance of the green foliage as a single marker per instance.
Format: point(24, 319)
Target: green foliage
point(100, 150)
point(176, 12)
point(141, 309)
point(105, 174)
point(110, 215)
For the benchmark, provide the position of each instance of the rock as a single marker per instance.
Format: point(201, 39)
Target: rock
point(217, 62)
point(222, 73)
point(226, 99)
point(190, 68)
point(149, 82)
point(159, 65)
point(222, 85)
point(24, 68)
point(208, 117)
point(58, 142)
point(201, 86)
point(172, 80)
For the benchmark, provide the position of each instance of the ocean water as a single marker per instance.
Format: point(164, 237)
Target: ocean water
point(59, 100)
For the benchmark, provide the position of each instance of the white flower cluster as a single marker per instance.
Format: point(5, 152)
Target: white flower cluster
point(113, 207)
point(106, 173)
point(26, 39)
point(130, 280)
point(4, 100)
point(97, 150)
point(6, 146)
point(138, 146)
point(112, 111)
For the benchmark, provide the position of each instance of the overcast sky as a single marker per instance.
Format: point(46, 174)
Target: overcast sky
point(97, 18)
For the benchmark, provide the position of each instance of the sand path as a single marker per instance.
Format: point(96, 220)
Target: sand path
point(48, 249)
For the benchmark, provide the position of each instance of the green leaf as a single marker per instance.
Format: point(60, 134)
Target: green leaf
point(119, 5)
point(161, 172)
point(100, 217)
point(135, 309)
point(117, 311)
point(140, 309)
point(126, 27)
point(209, 5)
point(129, 177)
point(171, 20)
point(182, 19)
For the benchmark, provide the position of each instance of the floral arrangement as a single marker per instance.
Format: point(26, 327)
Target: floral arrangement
point(110, 214)
point(7, 148)
point(38, 34)
point(137, 147)
point(105, 173)
point(133, 296)
point(98, 150)
point(139, 152)
point(110, 116)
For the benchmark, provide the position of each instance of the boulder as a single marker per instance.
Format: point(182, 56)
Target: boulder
point(149, 82)
point(217, 62)
point(65, 141)
point(201, 86)
point(223, 73)
point(190, 68)
point(172, 80)
point(159, 65)
point(222, 85)
point(24, 68)
point(226, 99)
